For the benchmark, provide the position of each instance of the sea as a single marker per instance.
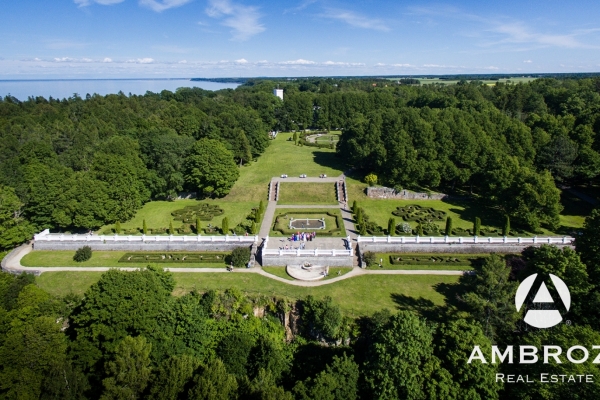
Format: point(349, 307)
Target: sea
point(65, 88)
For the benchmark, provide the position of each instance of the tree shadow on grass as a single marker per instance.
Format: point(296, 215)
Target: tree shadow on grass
point(427, 309)
point(489, 216)
point(329, 160)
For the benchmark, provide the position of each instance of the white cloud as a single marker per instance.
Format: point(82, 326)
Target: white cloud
point(527, 61)
point(162, 5)
point(183, 62)
point(244, 20)
point(356, 20)
point(241, 61)
point(63, 59)
point(107, 60)
point(491, 67)
point(146, 60)
point(298, 62)
point(85, 3)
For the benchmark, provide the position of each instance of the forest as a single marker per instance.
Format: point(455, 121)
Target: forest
point(80, 163)
point(128, 337)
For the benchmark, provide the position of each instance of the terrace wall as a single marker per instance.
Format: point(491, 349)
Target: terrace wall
point(141, 246)
point(329, 261)
point(389, 193)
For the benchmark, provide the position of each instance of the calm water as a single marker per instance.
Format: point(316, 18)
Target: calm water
point(22, 89)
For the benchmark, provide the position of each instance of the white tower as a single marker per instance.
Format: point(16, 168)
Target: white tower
point(278, 92)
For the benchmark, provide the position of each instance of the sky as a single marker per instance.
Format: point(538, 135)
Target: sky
point(247, 38)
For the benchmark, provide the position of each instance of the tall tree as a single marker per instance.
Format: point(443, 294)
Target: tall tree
point(210, 168)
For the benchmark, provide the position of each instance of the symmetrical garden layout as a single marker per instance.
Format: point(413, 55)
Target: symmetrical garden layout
point(307, 221)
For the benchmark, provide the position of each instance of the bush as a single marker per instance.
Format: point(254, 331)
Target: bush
point(369, 258)
point(240, 256)
point(225, 226)
point(83, 254)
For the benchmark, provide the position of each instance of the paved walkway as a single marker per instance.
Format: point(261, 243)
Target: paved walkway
point(267, 221)
point(13, 263)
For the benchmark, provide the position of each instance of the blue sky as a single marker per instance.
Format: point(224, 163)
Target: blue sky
point(232, 38)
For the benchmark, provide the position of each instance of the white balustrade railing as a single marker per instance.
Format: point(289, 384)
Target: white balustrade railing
point(61, 237)
point(464, 240)
point(314, 252)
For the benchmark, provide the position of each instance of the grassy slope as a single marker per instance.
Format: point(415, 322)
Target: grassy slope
point(158, 213)
point(64, 258)
point(307, 193)
point(355, 295)
point(282, 157)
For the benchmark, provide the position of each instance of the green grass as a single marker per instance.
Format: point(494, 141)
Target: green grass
point(299, 213)
point(64, 258)
point(307, 193)
point(158, 213)
point(282, 157)
point(278, 271)
point(356, 296)
point(463, 213)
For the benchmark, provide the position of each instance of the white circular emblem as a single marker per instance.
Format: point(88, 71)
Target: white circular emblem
point(542, 318)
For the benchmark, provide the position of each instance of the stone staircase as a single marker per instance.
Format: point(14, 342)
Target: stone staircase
point(341, 191)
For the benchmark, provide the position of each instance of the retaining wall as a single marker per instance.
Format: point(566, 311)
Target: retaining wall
point(389, 193)
point(328, 261)
point(141, 246)
point(469, 248)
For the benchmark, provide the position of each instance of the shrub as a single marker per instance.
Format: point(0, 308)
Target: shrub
point(371, 179)
point(404, 228)
point(171, 230)
point(117, 227)
point(225, 226)
point(477, 226)
point(83, 254)
point(420, 230)
point(198, 226)
point(240, 256)
point(448, 226)
point(369, 258)
point(392, 227)
point(354, 206)
point(506, 227)
point(144, 228)
point(253, 228)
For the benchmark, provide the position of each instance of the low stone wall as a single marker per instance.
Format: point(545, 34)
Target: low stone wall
point(141, 246)
point(447, 248)
point(389, 193)
point(328, 261)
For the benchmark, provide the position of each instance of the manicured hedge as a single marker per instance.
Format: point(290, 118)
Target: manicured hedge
point(174, 257)
point(329, 232)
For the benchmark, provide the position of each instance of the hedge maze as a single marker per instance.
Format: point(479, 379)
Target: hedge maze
point(213, 258)
point(416, 213)
point(204, 211)
point(424, 259)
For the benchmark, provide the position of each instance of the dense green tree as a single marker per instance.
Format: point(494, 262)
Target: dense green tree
point(213, 383)
point(322, 318)
point(476, 226)
point(400, 354)
point(120, 304)
point(210, 168)
point(339, 381)
point(172, 377)
point(14, 229)
point(490, 297)
point(129, 372)
point(588, 245)
point(240, 256)
point(225, 226)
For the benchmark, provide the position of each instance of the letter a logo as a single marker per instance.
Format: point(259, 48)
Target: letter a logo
point(542, 318)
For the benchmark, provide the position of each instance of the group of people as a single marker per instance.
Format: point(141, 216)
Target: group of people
point(303, 236)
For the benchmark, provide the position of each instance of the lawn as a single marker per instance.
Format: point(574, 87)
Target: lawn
point(331, 225)
point(64, 258)
point(307, 193)
point(463, 213)
point(158, 214)
point(282, 157)
point(355, 296)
